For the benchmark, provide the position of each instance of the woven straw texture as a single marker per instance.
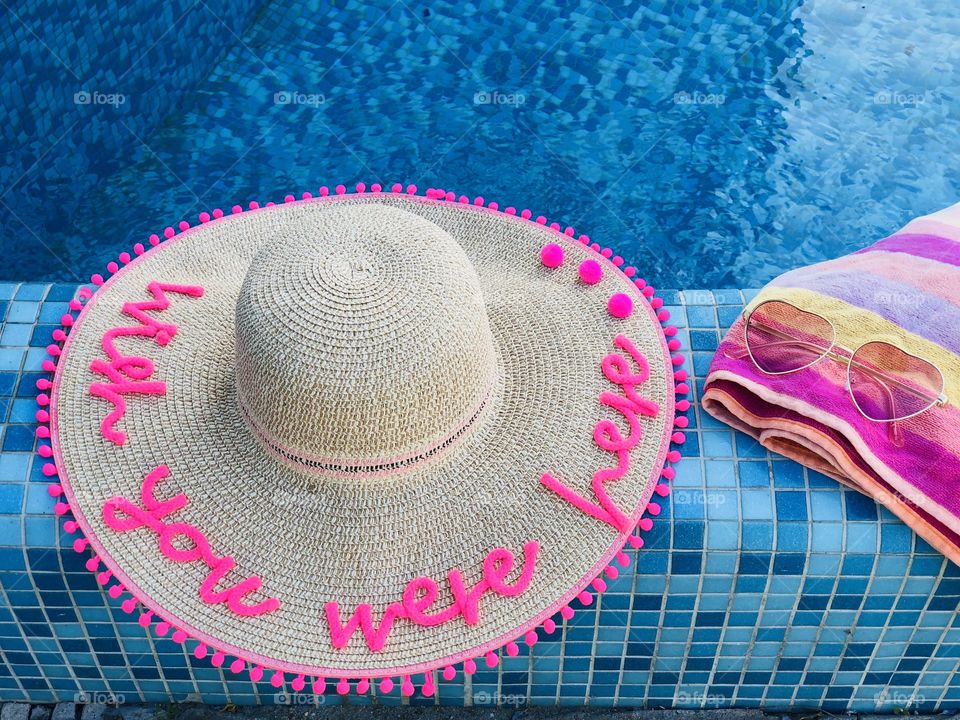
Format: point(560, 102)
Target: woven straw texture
point(376, 317)
point(313, 537)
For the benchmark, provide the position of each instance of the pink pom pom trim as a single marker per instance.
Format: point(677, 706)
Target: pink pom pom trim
point(620, 305)
point(551, 255)
point(590, 272)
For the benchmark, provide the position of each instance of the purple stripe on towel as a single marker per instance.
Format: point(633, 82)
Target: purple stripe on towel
point(928, 246)
point(926, 316)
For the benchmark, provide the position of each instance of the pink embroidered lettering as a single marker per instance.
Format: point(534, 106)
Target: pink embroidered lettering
point(421, 594)
point(376, 635)
point(129, 374)
point(609, 436)
point(124, 516)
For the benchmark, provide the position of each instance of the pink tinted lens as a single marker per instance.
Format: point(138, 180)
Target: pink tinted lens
point(889, 384)
point(782, 338)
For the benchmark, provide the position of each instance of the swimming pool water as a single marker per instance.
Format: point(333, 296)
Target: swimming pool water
point(715, 143)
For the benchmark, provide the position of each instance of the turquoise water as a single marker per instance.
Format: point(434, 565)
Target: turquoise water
point(715, 143)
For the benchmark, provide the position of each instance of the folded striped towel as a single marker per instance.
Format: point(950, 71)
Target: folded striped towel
point(904, 290)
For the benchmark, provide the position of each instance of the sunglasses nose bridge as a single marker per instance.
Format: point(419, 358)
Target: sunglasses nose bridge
point(840, 353)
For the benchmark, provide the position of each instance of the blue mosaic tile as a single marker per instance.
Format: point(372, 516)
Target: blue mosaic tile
point(745, 593)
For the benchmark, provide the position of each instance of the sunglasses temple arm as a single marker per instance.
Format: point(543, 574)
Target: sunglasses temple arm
point(893, 427)
point(740, 353)
point(736, 353)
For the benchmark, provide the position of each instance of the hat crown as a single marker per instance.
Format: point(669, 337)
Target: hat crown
point(362, 341)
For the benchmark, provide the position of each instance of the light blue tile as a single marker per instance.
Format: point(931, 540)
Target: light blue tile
point(15, 335)
point(23, 410)
point(11, 359)
point(14, 466)
point(22, 312)
point(689, 475)
point(40, 531)
point(717, 444)
point(738, 471)
point(10, 529)
point(31, 291)
point(722, 563)
point(720, 473)
point(825, 507)
point(33, 362)
point(827, 538)
point(728, 297)
point(723, 535)
point(39, 501)
point(861, 538)
point(756, 504)
point(701, 317)
point(52, 312)
point(722, 505)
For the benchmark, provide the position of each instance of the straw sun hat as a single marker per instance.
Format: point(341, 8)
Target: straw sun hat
point(360, 436)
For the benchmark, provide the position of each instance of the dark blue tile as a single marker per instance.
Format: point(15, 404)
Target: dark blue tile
point(27, 388)
point(846, 602)
point(19, 438)
point(688, 535)
point(858, 564)
point(859, 507)
point(61, 292)
point(42, 335)
point(788, 663)
point(747, 447)
point(636, 663)
point(754, 564)
point(8, 381)
point(752, 584)
point(704, 340)
point(647, 602)
point(684, 563)
point(710, 619)
point(791, 505)
point(789, 563)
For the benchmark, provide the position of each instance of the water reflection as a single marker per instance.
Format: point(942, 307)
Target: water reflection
point(715, 143)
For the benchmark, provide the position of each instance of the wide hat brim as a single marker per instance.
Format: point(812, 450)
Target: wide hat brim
point(312, 539)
